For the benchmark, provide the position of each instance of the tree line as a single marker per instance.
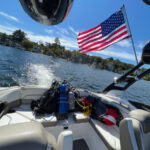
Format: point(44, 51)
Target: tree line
point(58, 51)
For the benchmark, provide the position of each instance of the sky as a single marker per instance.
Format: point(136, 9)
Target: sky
point(85, 14)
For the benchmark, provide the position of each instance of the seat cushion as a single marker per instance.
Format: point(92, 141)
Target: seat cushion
point(12, 94)
point(24, 114)
point(143, 117)
point(127, 136)
point(109, 134)
point(24, 136)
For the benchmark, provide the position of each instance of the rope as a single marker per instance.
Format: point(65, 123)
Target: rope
point(87, 108)
point(84, 107)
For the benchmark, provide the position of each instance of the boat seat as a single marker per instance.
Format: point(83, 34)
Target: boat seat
point(12, 94)
point(30, 93)
point(80, 118)
point(25, 136)
point(135, 131)
point(32, 135)
point(24, 114)
point(109, 134)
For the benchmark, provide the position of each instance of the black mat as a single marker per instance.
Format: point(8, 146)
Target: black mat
point(80, 144)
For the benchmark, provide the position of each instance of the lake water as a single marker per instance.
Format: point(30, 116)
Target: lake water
point(19, 68)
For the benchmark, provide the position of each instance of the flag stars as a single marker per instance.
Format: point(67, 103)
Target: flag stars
point(112, 22)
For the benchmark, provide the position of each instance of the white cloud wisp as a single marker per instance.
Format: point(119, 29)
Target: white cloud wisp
point(9, 16)
point(119, 53)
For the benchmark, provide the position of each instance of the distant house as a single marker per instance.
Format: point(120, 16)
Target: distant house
point(110, 67)
point(37, 50)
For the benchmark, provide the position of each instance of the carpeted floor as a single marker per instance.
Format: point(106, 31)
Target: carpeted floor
point(80, 144)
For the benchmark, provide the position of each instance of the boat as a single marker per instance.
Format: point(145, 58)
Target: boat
point(22, 129)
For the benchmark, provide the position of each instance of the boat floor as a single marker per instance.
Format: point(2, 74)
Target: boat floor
point(80, 131)
point(83, 133)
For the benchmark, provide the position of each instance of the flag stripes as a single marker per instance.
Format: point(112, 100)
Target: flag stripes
point(111, 31)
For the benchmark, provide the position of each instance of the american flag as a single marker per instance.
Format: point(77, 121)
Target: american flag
point(111, 31)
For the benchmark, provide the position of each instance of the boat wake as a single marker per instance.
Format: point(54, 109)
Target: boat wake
point(38, 74)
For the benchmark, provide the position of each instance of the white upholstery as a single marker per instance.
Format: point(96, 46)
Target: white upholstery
point(32, 93)
point(65, 140)
point(32, 135)
point(24, 93)
point(11, 94)
point(127, 136)
point(24, 114)
point(135, 131)
point(80, 117)
point(109, 134)
point(25, 136)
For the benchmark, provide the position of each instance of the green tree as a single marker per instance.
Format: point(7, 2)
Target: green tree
point(27, 44)
point(57, 41)
point(97, 60)
point(110, 59)
point(18, 36)
point(41, 43)
point(3, 37)
point(48, 45)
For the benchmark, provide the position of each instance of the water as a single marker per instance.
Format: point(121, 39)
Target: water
point(25, 68)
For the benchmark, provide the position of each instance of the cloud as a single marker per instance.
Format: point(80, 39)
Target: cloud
point(74, 31)
point(64, 31)
point(49, 31)
point(58, 31)
point(124, 43)
point(67, 38)
point(65, 41)
point(10, 29)
point(141, 44)
point(119, 53)
point(68, 42)
point(7, 29)
point(9, 16)
point(43, 38)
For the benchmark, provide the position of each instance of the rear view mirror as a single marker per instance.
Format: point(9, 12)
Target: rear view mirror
point(146, 53)
point(48, 12)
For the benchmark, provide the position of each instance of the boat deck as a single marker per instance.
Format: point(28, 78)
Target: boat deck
point(81, 131)
point(93, 134)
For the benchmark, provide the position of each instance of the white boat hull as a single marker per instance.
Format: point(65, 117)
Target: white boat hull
point(19, 99)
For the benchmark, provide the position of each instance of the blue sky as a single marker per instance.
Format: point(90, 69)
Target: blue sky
point(84, 15)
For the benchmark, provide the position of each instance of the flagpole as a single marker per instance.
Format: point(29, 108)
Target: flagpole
point(125, 14)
